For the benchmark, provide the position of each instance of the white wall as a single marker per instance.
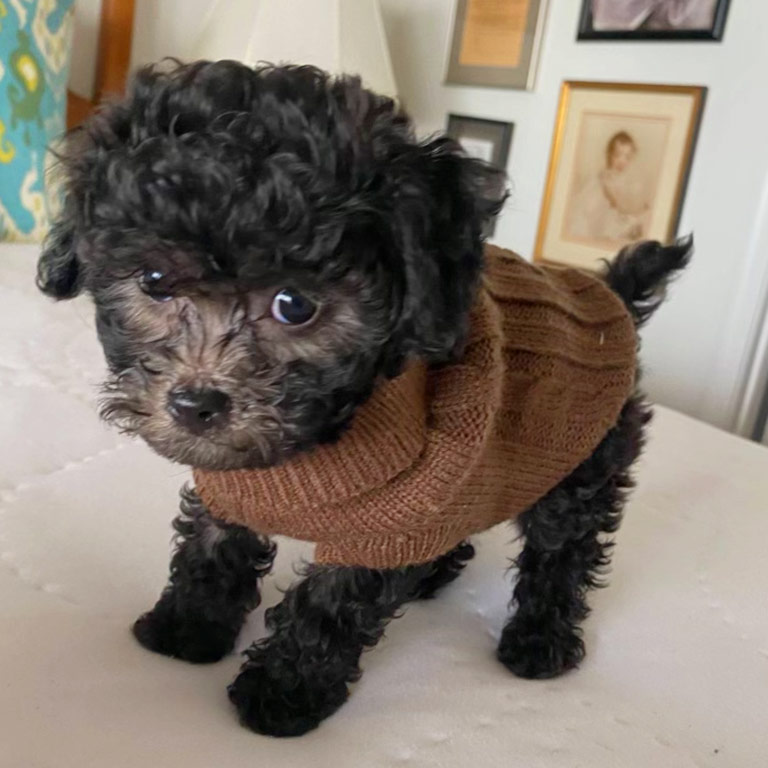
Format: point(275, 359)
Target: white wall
point(698, 346)
point(85, 44)
point(168, 28)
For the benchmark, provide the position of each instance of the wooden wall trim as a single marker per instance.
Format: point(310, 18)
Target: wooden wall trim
point(78, 108)
point(115, 36)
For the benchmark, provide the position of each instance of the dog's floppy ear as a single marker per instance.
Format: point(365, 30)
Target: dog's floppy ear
point(443, 202)
point(58, 271)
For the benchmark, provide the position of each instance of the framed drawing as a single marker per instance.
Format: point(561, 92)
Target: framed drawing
point(618, 168)
point(653, 19)
point(495, 42)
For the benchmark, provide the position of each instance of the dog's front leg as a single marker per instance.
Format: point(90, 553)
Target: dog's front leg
point(298, 675)
point(213, 585)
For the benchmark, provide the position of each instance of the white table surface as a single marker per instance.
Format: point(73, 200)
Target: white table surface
point(677, 666)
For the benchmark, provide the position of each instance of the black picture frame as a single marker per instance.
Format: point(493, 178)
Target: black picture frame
point(497, 132)
point(713, 34)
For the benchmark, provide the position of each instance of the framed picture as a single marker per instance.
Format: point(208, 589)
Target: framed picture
point(495, 42)
point(618, 168)
point(487, 140)
point(653, 19)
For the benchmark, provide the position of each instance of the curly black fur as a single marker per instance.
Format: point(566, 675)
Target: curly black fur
point(214, 585)
point(299, 674)
point(564, 555)
point(231, 183)
point(641, 273)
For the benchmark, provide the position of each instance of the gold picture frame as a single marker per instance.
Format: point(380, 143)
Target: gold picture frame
point(495, 43)
point(618, 169)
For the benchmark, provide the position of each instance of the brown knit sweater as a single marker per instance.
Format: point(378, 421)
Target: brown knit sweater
point(438, 454)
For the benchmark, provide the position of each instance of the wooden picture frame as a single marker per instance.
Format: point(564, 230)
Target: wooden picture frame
point(645, 30)
point(618, 170)
point(495, 43)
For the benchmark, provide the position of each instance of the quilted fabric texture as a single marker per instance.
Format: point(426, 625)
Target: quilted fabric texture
point(35, 37)
point(677, 669)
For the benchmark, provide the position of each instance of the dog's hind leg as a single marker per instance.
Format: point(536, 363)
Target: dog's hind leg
point(297, 676)
point(214, 583)
point(564, 555)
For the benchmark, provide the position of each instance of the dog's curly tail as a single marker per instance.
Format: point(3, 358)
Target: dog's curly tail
point(641, 273)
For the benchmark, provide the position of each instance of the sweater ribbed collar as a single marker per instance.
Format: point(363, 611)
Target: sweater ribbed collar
point(392, 432)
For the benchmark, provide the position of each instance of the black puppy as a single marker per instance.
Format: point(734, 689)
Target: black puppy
point(263, 246)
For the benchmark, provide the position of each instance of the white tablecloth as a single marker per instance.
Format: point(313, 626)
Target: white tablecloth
point(677, 666)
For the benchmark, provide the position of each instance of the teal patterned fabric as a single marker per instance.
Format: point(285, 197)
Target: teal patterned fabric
point(35, 37)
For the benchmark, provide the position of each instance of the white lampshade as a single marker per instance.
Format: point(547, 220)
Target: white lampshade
point(340, 36)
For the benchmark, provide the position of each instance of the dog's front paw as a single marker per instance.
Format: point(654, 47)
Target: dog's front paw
point(538, 650)
point(191, 638)
point(276, 701)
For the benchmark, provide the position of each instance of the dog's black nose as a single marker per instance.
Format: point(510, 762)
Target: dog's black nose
point(199, 409)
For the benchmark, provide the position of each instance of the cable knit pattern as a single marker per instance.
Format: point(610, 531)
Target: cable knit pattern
point(436, 455)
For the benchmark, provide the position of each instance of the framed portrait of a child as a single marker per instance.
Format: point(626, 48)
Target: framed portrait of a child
point(619, 164)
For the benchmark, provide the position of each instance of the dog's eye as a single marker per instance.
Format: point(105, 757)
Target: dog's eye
point(292, 308)
point(152, 283)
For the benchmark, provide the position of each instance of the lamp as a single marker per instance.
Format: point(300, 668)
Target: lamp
point(340, 36)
